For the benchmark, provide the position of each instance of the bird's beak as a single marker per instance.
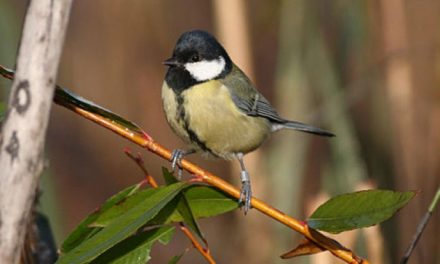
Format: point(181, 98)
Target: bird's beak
point(171, 62)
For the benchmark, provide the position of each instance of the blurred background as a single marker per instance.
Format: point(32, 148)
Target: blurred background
point(369, 71)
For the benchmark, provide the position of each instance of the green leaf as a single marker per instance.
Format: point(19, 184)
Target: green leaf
point(68, 98)
point(166, 237)
point(183, 207)
point(84, 229)
point(358, 210)
point(176, 259)
point(136, 249)
point(71, 100)
point(105, 218)
point(184, 210)
point(203, 202)
point(119, 209)
point(2, 110)
point(207, 201)
point(123, 226)
point(168, 176)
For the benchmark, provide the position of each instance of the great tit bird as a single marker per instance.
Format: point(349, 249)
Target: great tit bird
point(213, 106)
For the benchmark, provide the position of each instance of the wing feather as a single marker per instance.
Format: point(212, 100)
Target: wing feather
point(252, 103)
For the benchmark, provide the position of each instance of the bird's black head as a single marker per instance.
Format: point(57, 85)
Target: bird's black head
point(197, 57)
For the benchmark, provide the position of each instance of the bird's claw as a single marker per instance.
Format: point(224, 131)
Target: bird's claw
point(245, 196)
point(176, 158)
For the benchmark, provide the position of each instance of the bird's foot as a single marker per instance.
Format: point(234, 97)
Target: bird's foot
point(176, 158)
point(246, 192)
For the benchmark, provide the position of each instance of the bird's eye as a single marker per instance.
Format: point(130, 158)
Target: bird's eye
point(195, 58)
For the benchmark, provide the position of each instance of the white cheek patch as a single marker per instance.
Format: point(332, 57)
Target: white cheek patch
point(206, 70)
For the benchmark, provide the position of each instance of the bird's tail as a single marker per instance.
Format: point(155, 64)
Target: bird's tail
point(304, 128)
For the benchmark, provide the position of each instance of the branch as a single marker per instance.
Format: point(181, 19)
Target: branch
point(24, 128)
point(205, 176)
point(421, 227)
point(131, 132)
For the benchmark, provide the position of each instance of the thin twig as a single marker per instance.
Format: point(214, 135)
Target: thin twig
point(152, 182)
point(421, 227)
point(144, 140)
point(204, 251)
point(138, 160)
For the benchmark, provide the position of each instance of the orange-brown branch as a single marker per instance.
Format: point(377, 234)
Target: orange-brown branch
point(335, 248)
point(147, 142)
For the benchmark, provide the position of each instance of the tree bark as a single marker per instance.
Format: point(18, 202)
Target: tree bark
point(24, 128)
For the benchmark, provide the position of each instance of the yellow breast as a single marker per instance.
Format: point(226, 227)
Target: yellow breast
point(170, 104)
point(215, 119)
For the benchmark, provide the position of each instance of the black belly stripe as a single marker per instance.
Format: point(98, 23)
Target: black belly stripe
point(182, 117)
point(180, 113)
point(194, 138)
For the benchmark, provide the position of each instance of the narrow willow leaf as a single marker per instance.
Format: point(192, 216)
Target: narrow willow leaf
point(207, 201)
point(203, 202)
point(7, 73)
point(68, 98)
point(135, 249)
point(84, 229)
point(358, 210)
point(305, 247)
point(176, 259)
point(165, 237)
point(122, 227)
point(119, 209)
point(168, 176)
point(63, 96)
point(183, 207)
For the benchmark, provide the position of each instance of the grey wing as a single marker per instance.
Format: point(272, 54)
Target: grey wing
point(258, 106)
point(248, 99)
point(252, 103)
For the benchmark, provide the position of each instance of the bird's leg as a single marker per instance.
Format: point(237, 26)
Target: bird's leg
point(246, 190)
point(176, 158)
